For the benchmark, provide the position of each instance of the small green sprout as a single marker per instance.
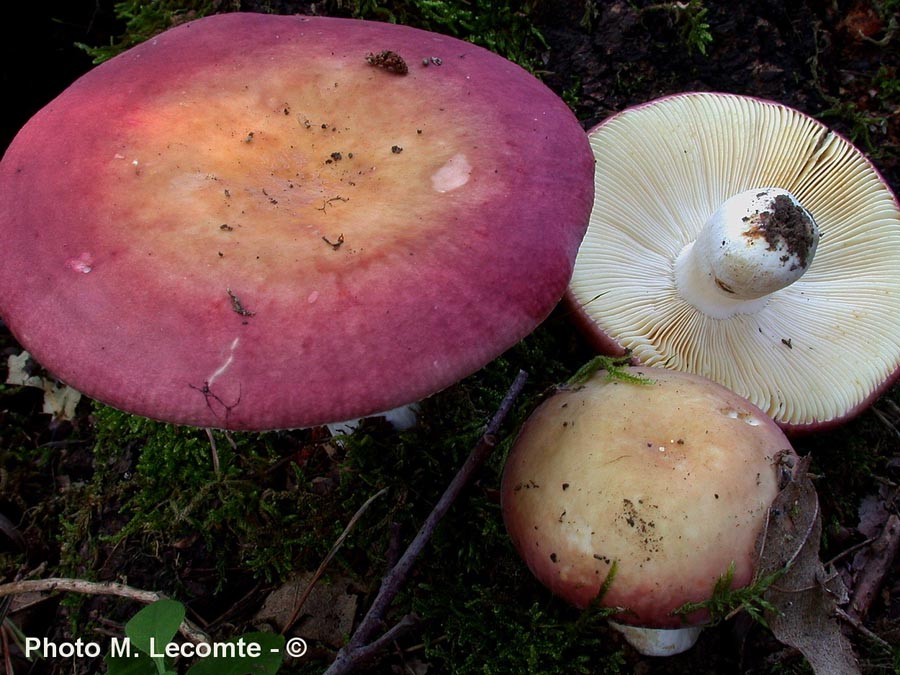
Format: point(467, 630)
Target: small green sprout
point(596, 610)
point(690, 19)
point(727, 601)
point(614, 367)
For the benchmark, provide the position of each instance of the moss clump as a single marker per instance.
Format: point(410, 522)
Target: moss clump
point(145, 18)
point(176, 488)
point(506, 27)
point(491, 631)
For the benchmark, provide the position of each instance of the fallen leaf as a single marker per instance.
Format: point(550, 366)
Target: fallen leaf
point(327, 615)
point(873, 514)
point(806, 596)
point(60, 400)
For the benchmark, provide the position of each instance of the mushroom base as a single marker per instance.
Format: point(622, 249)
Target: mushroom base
point(402, 418)
point(658, 641)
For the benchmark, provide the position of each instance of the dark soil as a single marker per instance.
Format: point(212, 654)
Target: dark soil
point(837, 60)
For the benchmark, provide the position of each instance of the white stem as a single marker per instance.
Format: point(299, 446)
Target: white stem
point(402, 418)
point(757, 242)
point(659, 641)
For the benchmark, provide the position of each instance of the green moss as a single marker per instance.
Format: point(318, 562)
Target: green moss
point(861, 126)
point(168, 487)
point(887, 83)
point(505, 27)
point(888, 10)
point(727, 600)
point(615, 368)
point(693, 26)
point(491, 631)
point(145, 18)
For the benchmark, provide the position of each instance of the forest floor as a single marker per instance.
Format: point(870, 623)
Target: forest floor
point(104, 496)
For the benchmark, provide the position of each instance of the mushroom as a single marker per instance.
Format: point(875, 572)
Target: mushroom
point(402, 418)
point(741, 240)
point(639, 493)
point(257, 222)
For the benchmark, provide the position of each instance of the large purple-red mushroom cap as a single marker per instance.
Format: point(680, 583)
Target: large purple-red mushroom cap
point(256, 221)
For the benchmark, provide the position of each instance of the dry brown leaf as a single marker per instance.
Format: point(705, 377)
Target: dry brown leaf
point(327, 615)
point(806, 596)
point(873, 514)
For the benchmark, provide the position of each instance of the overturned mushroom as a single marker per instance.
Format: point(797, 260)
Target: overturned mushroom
point(741, 240)
point(217, 227)
point(641, 495)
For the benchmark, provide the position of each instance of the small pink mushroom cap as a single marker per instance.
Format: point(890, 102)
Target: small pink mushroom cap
point(669, 480)
point(257, 222)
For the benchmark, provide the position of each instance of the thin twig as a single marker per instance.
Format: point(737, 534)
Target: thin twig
point(334, 549)
point(235, 607)
point(188, 629)
point(858, 625)
point(356, 651)
point(366, 652)
point(847, 551)
point(230, 439)
point(214, 449)
point(886, 422)
point(890, 404)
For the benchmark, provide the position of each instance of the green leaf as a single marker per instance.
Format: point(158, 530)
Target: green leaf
point(158, 622)
point(267, 663)
point(139, 664)
point(152, 628)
